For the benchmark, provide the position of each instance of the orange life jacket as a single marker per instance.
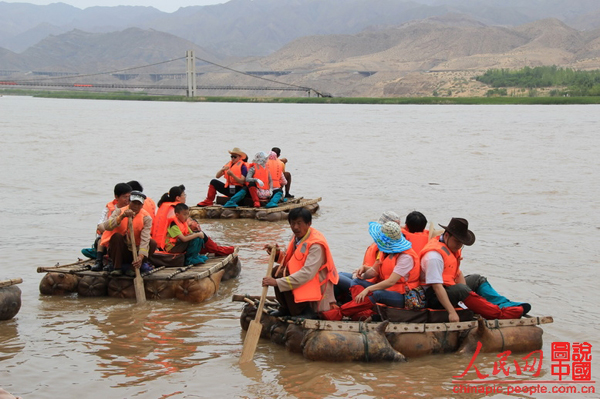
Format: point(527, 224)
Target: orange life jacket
point(294, 261)
point(370, 255)
point(402, 285)
point(451, 261)
point(161, 222)
point(261, 173)
point(185, 230)
point(275, 167)
point(418, 240)
point(138, 226)
point(111, 208)
point(370, 258)
point(150, 206)
point(236, 169)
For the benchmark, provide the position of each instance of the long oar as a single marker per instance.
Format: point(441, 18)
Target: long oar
point(253, 334)
point(138, 282)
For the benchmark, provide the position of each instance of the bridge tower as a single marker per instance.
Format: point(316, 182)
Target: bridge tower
point(191, 73)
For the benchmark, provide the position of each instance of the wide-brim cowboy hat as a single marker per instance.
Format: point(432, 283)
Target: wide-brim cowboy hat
point(389, 237)
point(239, 152)
point(459, 228)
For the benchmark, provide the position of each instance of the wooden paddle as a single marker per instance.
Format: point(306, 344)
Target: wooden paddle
point(138, 282)
point(253, 333)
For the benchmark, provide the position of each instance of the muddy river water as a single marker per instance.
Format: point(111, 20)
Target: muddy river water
point(526, 178)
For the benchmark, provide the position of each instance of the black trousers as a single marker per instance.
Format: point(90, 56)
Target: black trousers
point(227, 191)
point(119, 253)
point(286, 300)
point(456, 292)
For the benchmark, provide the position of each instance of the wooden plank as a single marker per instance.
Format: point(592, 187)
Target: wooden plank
point(197, 272)
point(59, 268)
point(8, 283)
point(285, 207)
point(241, 298)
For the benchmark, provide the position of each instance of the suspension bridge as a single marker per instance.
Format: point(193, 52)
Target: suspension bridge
point(69, 80)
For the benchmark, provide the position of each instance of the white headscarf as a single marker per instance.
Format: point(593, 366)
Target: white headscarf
point(260, 159)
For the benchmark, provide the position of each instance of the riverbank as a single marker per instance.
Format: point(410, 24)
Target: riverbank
point(310, 100)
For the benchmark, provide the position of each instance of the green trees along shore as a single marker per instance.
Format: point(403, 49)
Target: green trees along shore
point(563, 81)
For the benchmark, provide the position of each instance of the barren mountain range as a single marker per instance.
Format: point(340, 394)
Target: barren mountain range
point(343, 47)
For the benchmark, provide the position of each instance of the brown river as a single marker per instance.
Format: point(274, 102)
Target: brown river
point(526, 178)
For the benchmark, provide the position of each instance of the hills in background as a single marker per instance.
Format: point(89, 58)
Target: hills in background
point(346, 47)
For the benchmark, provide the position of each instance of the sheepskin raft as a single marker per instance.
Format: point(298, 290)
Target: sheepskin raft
point(247, 212)
point(341, 341)
point(191, 283)
point(10, 298)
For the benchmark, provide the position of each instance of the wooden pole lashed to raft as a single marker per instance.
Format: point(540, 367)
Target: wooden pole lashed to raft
point(8, 283)
point(255, 328)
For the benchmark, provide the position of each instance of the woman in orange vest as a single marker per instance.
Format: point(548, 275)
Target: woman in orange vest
point(342, 289)
point(235, 172)
point(258, 183)
point(396, 271)
point(277, 170)
point(166, 213)
point(396, 267)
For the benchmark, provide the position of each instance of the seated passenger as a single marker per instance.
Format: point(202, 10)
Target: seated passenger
point(287, 175)
point(149, 203)
point(343, 286)
point(181, 239)
point(444, 282)
point(396, 271)
point(116, 235)
point(235, 172)
point(276, 169)
point(415, 232)
point(304, 280)
point(258, 183)
point(122, 191)
point(166, 212)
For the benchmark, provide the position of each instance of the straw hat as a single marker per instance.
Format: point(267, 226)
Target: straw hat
point(459, 228)
point(239, 152)
point(389, 237)
point(389, 216)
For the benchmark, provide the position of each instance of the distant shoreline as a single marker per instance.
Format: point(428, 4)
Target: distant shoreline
point(313, 100)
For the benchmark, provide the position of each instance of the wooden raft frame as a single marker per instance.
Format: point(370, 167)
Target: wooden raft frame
point(355, 326)
point(197, 272)
point(398, 327)
point(290, 204)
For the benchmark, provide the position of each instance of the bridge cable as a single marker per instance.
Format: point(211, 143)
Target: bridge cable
point(100, 73)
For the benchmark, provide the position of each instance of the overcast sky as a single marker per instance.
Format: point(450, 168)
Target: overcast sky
point(163, 5)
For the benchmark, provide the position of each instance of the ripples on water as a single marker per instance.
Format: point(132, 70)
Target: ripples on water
point(524, 176)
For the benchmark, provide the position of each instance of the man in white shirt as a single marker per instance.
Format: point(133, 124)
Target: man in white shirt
point(444, 282)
